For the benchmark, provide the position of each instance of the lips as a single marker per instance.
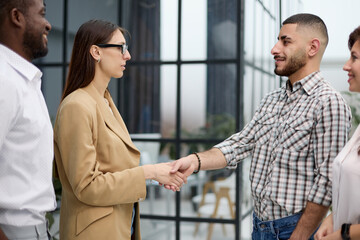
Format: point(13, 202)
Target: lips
point(278, 58)
point(45, 38)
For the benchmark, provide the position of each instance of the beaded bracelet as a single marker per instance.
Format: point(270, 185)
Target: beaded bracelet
point(197, 155)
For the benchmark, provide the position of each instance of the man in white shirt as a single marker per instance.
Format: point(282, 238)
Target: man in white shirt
point(26, 136)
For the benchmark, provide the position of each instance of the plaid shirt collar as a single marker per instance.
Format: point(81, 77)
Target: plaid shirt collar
point(308, 84)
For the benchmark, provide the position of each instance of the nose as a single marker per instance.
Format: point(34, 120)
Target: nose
point(346, 66)
point(48, 26)
point(275, 49)
point(127, 55)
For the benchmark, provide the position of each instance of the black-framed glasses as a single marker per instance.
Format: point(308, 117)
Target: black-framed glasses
point(124, 47)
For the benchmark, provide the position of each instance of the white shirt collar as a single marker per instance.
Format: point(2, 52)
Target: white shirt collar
point(20, 64)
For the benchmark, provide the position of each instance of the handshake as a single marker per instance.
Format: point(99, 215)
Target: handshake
point(171, 175)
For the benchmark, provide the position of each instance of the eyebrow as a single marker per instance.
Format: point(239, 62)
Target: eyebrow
point(120, 42)
point(284, 37)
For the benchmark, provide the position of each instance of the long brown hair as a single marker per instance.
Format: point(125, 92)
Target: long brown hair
point(82, 64)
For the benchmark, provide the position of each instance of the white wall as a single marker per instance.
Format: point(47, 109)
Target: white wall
point(341, 18)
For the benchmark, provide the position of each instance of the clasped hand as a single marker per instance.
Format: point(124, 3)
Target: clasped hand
point(181, 167)
point(172, 179)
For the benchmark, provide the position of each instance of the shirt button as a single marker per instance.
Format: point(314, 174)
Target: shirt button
point(262, 225)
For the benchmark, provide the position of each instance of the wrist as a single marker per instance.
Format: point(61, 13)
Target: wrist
point(299, 234)
point(149, 171)
point(193, 162)
point(196, 163)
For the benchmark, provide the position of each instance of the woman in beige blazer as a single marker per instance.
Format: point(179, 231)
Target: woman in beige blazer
point(97, 162)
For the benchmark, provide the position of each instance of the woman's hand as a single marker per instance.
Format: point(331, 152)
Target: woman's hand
point(325, 228)
point(161, 173)
point(184, 165)
point(333, 236)
point(164, 177)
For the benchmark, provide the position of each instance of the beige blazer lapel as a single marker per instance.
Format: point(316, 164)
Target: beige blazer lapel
point(112, 119)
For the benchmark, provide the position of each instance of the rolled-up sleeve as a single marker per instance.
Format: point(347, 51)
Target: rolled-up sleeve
point(330, 136)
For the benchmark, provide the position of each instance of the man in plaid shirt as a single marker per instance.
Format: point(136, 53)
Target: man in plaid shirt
point(293, 138)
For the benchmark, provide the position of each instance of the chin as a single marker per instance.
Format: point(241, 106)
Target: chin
point(354, 88)
point(119, 75)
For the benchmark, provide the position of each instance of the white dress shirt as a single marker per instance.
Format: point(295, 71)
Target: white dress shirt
point(346, 181)
point(26, 144)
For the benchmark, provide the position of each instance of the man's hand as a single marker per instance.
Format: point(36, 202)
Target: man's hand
point(164, 176)
point(210, 160)
point(184, 165)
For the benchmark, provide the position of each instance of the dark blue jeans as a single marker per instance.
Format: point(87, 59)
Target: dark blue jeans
point(279, 229)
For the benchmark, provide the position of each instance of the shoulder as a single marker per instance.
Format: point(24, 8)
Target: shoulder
point(6, 74)
point(79, 99)
point(272, 98)
point(11, 84)
point(275, 93)
point(78, 105)
point(76, 117)
point(327, 95)
point(330, 104)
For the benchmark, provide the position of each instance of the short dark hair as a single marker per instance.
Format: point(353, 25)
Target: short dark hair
point(82, 64)
point(309, 20)
point(7, 5)
point(353, 37)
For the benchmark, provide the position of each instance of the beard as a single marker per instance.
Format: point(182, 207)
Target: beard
point(33, 43)
point(296, 61)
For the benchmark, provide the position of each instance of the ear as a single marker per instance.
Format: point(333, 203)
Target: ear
point(95, 52)
point(17, 18)
point(314, 47)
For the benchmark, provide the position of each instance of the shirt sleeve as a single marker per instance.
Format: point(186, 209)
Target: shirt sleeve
point(238, 146)
point(241, 145)
point(330, 135)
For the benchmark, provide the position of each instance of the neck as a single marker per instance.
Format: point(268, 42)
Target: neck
point(309, 68)
point(101, 85)
point(100, 82)
point(18, 49)
point(13, 39)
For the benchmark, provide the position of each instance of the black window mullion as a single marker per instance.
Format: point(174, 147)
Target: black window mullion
point(178, 119)
point(239, 110)
point(65, 42)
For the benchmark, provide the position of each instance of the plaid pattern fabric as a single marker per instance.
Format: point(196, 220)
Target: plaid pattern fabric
point(293, 138)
